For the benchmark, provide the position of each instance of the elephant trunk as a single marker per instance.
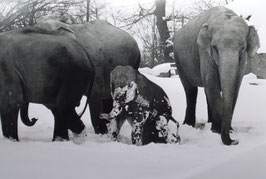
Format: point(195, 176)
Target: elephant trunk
point(229, 73)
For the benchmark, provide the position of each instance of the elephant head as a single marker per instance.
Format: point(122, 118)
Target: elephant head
point(123, 84)
point(123, 89)
point(225, 45)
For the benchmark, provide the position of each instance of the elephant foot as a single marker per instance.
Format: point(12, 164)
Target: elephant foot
point(173, 139)
point(13, 139)
point(60, 135)
point(230, 142)
point(227, 140)
point(216, 128)
point(101, 129)
point(113, 130)
point(60, 139)
point(200, 126)
point(235, 142)
point(79, 138)
point(189, 123)
point(137, 140)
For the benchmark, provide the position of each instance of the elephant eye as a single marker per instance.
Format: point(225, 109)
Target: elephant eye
point(130, 85)
point(215, 50)
point(215, 53)
point(242, 50)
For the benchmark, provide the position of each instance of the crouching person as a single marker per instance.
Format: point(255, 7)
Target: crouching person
point(143, 104)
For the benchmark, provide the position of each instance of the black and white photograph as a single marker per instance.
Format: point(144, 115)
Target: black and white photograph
point(132, 89)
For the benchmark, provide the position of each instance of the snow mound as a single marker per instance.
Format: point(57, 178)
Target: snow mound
point(157, 70)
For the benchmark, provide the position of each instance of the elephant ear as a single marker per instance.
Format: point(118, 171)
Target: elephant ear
point(203, 39)
point(253, 42)
point(112, 89)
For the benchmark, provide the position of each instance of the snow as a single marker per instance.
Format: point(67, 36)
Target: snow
point(201, 153)
point(165, 67)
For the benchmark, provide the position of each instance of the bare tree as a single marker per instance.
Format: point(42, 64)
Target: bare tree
point(159, 49)
point(20, 13)
point(161, 23)
point(88, 10)
point(202, 5)
point(16, 14)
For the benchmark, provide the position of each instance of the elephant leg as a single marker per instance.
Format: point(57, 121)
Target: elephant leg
point(162, 128)
point(215, 127)
point(60, 126)
point(96, 108)
point(136, 135)
point(215, 108)
point(68, 98)
point(74, 122)
point(164, 133)
point(115, 125)
point(107, 105)
point(9, 120)
point(150, 133)
point(191, 97)
point(113, 129)
point(10, 102)
point(138, 128)
point(66, 118)
point(210, 119)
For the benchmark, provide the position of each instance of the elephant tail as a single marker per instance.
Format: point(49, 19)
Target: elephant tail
point(137, 62)
point(24, 116)
point(84, 109)
point(90, 85)
point(174, 121)
point(177, 128)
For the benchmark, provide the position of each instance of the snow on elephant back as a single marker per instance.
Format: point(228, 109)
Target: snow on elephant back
point(108, 47)
point(42, 66)
point(143, 104)
point(211, 51)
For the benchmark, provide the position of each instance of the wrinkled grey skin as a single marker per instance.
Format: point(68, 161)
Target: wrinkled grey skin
point(42, 67)
point(108, 47)
point(211, 52)
point(143, 104)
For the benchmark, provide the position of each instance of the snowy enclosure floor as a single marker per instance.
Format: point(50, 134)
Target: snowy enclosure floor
point(201, 153)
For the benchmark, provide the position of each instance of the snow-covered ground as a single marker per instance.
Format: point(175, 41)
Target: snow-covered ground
point(201, 153)
point(162, 68)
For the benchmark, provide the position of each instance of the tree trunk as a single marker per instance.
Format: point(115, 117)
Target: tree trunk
point(163, 29)
point(88, 11)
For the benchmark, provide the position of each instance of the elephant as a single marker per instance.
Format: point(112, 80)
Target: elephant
point(145, 106)
point(108, 47)
point(211, 52)
point(44, 67)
